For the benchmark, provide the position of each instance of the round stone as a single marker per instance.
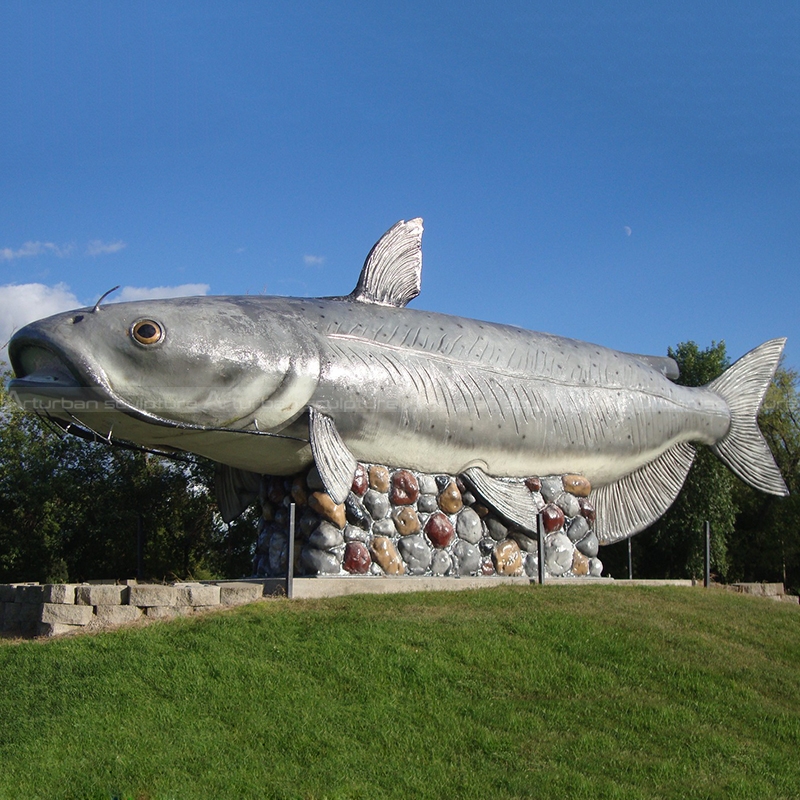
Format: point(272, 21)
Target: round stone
point(299, 491)
point(427, 503)
point(427, 484)
point(442, 481)
point(385, 554)
point(468, 498)
point(552, 518)
point(496, 529)
point(439, 530)
point(441, 562)
point(587, 510)
point(405, 489)
point(384, 527)
point(525, 542)
point(377, 503)
point(360, 481)
point(308, 522)
point(406, 521)
point(278, 552)
point(533, 484)
point(589, 545)
point(275, 490)
point(355, 512)
point(557, 553)
point(595, 567)
point(416, 553)
point(532, 565)
point(577, 485)
point(322, 503)
point(326, 537)
point(354, 534)
point(450, 499)
point(468, 526)
point(507, 558)
point(569, 504)
point(580, 564)
point(486, 546)
point(468, 558)
point(578, 528)
point(267, 511)
point(356, 558)
point(320, 562)
point(379, 478)
point(487, 568)
point(552, 486)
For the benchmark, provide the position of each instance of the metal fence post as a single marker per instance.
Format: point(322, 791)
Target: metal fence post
point(707, 576)
point(630, 560)
point(290, 554)
point(540, 531)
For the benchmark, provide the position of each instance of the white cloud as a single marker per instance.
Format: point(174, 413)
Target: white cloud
point(314, 261)
point(30, 249)
point(100, 248)
point(25, 302)
point(159, 292)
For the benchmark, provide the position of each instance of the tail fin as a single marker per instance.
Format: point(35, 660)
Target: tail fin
point(743, 448)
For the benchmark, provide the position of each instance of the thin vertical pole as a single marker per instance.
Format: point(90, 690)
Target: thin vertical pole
point(540, 530)
point(630, 560)
point(139, 548)
point(707, 577)
point(290, 554)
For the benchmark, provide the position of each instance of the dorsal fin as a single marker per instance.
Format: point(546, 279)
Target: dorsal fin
point(667, 366)
point(392, 273)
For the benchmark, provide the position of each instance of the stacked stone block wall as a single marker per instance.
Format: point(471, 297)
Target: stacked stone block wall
point(55, 609)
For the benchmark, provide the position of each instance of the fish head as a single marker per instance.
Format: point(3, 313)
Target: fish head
point(211, 362)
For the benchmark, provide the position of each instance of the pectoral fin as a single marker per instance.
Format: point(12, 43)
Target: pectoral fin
point(335, 463)
point(508, 497)
point(235, 490)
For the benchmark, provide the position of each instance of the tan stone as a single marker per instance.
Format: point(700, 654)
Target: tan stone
point(507, 558)
point(580, 564)
point(385, 554)
point(406, 521)
point(576, 485)
point(379, 478)
point(323, 504)
point(450, 499)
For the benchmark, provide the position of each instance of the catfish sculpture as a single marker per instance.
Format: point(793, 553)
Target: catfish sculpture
point(265, 385)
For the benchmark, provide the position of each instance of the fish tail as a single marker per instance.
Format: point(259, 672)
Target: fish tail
point(743, 448)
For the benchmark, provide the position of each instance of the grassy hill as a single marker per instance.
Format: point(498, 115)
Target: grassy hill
point(561, 691)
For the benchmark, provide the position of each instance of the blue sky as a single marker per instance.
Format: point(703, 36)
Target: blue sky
point(623, 173)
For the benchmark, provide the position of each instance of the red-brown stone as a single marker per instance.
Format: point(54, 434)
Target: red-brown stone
point(356, 558)
point(587, 510)
point(533, 484)
point(360, 481)
point(439, 530)
point(405, 488)
point(552, 518)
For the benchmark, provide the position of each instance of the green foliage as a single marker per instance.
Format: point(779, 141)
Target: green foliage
point(71, 510)
point(546, 692)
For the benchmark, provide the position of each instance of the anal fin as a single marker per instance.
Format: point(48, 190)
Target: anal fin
point(510, 498)
point(335, 463)
point(638, 499)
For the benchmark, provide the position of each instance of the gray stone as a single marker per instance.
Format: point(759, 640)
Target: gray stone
point(57, 629)
point(531, 565)
point(103, 595)
point(29, 593)
point(355, 512)
point(197, 594)
point(354, 534)
point(552, 486)
point(308, 522)
point(557, 553)
point(326, 537)
point(151, 594)
point(469, 526)
point(278, 552)
point(236, 593)
point(59, 593)
point(163, 612)
point(427, 484)
point(525, 542)
point(21, 617)
point(468, 557)
point(577, 529)
point(320, 562)
point(589, 545)
point(416, 553)
point(595, 567)
point(569, 504)
point(441, 563)
point(314, 481)
point(66, 614)
point(497, 530)
point(384, 527)
point(377, 503)
point(119, 615)
point(427, 503)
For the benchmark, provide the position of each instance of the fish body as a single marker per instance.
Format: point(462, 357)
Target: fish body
point(266, 385)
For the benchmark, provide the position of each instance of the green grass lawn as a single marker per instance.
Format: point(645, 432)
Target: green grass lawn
point(561, 691)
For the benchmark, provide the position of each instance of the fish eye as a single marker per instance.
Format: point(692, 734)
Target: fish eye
point(147, 331)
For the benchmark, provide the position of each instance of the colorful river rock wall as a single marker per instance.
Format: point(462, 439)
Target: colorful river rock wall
point(399, 522)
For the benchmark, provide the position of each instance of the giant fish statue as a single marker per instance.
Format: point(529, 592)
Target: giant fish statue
point(266, 385)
